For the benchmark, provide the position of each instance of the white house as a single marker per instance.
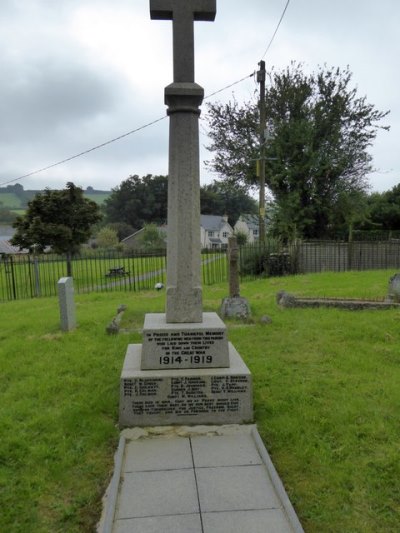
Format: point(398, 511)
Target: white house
point(215, 231)
point(248, 225)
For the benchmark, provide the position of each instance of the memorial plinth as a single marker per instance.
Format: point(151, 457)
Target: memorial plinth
point(198, 345)
point(191, 396)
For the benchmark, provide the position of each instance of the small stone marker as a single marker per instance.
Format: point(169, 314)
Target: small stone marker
point(394, 288)
point(67, 303)
point(234, 306)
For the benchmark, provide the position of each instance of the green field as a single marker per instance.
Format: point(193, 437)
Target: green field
point(99, 198)
point(9, 200)
point(326, 393)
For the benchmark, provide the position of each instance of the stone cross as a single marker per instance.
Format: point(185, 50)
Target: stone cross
point(183, 13)
point(183, 98)
point(233, 252)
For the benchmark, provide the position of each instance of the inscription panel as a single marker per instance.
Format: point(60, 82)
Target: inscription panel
point(184, 346)
point(186, 397)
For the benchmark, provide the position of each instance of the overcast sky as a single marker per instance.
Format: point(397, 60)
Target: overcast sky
point(77, 73)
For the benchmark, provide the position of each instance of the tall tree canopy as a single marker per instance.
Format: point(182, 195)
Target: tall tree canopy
point(59, 219)
point(223, 198)
point(317, 151)
point(140, 201)
point(384, 209)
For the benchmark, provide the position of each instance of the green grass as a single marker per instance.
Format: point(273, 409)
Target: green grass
point(9, 200)
point(326, 392)
point(99, 198)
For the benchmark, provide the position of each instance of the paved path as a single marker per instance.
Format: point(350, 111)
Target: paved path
point(201, 479)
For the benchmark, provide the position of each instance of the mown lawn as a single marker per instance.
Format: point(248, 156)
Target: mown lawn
point(326, 390)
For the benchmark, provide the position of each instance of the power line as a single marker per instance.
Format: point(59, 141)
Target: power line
point(102, 145)
point(276, 29)
point(229, 86)
point(115, 138)
point(85, 152)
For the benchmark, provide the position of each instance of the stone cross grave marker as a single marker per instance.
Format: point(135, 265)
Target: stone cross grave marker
point(183, 98)
point(233, 251)
point(235, 305)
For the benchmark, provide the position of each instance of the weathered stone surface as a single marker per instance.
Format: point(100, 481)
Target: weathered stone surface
point(394, 288)
point(192, 396)
point(233, 254)
point(183, 14)
point(184, 292)
point(66, 302)
point(195, 345)
point(235, 308)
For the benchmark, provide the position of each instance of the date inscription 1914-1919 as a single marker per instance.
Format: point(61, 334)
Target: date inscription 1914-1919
point(192, 359)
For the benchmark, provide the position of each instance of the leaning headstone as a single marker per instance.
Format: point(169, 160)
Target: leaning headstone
point(235, 306)
point(66, 302)
point(394, 288)
point(185, 372)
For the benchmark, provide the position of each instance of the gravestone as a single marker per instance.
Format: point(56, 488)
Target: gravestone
point(66, 302)
point(185, 371)
point(394, 288)
point(235, 306)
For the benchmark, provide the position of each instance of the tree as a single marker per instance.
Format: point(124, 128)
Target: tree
point(223, 198)
point(61, 220)
point(151, 238)
point(318, 150)
point(122, 229)
point(385, 209)
point(107, 238)
point(138, 201)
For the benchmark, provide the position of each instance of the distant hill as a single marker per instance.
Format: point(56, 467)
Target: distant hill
point(15, 199)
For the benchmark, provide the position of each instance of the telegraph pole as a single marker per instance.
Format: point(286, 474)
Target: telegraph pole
point(261, 75)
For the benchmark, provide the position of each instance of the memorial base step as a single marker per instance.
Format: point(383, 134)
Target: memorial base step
point(188, 396)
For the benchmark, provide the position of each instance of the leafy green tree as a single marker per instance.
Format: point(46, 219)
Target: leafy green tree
point(223, 198)
point(385, 209)
point(122, 229)
point(60, 219)
point(152, 238)
point(107, 238)
point(6, 215)
point(241, 238)
point(318, 147)
point(138, 201)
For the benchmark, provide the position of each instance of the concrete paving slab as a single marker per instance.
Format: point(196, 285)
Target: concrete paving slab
point(260, 521)
point(196, 479)
point(225, 450)
point(157, 454)
point(160, 524)
point(162, 492)
point(233, 488)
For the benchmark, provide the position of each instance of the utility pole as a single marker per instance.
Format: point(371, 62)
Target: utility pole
point(261, 75)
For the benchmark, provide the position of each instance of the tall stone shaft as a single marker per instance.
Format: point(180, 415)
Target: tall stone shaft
point(183, 98)
point(184, 293)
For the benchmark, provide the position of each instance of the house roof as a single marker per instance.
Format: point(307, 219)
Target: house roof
point(212, 222)
point(161, 229)
point(251, 220)
point(7, 248)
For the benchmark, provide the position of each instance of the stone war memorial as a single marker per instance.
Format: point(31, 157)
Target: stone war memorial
point(185, 371)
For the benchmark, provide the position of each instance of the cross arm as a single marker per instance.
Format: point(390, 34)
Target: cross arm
point(164, 9)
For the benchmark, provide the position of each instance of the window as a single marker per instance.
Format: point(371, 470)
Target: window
point(210, 233)
point(225, 234)
point(255, 231)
